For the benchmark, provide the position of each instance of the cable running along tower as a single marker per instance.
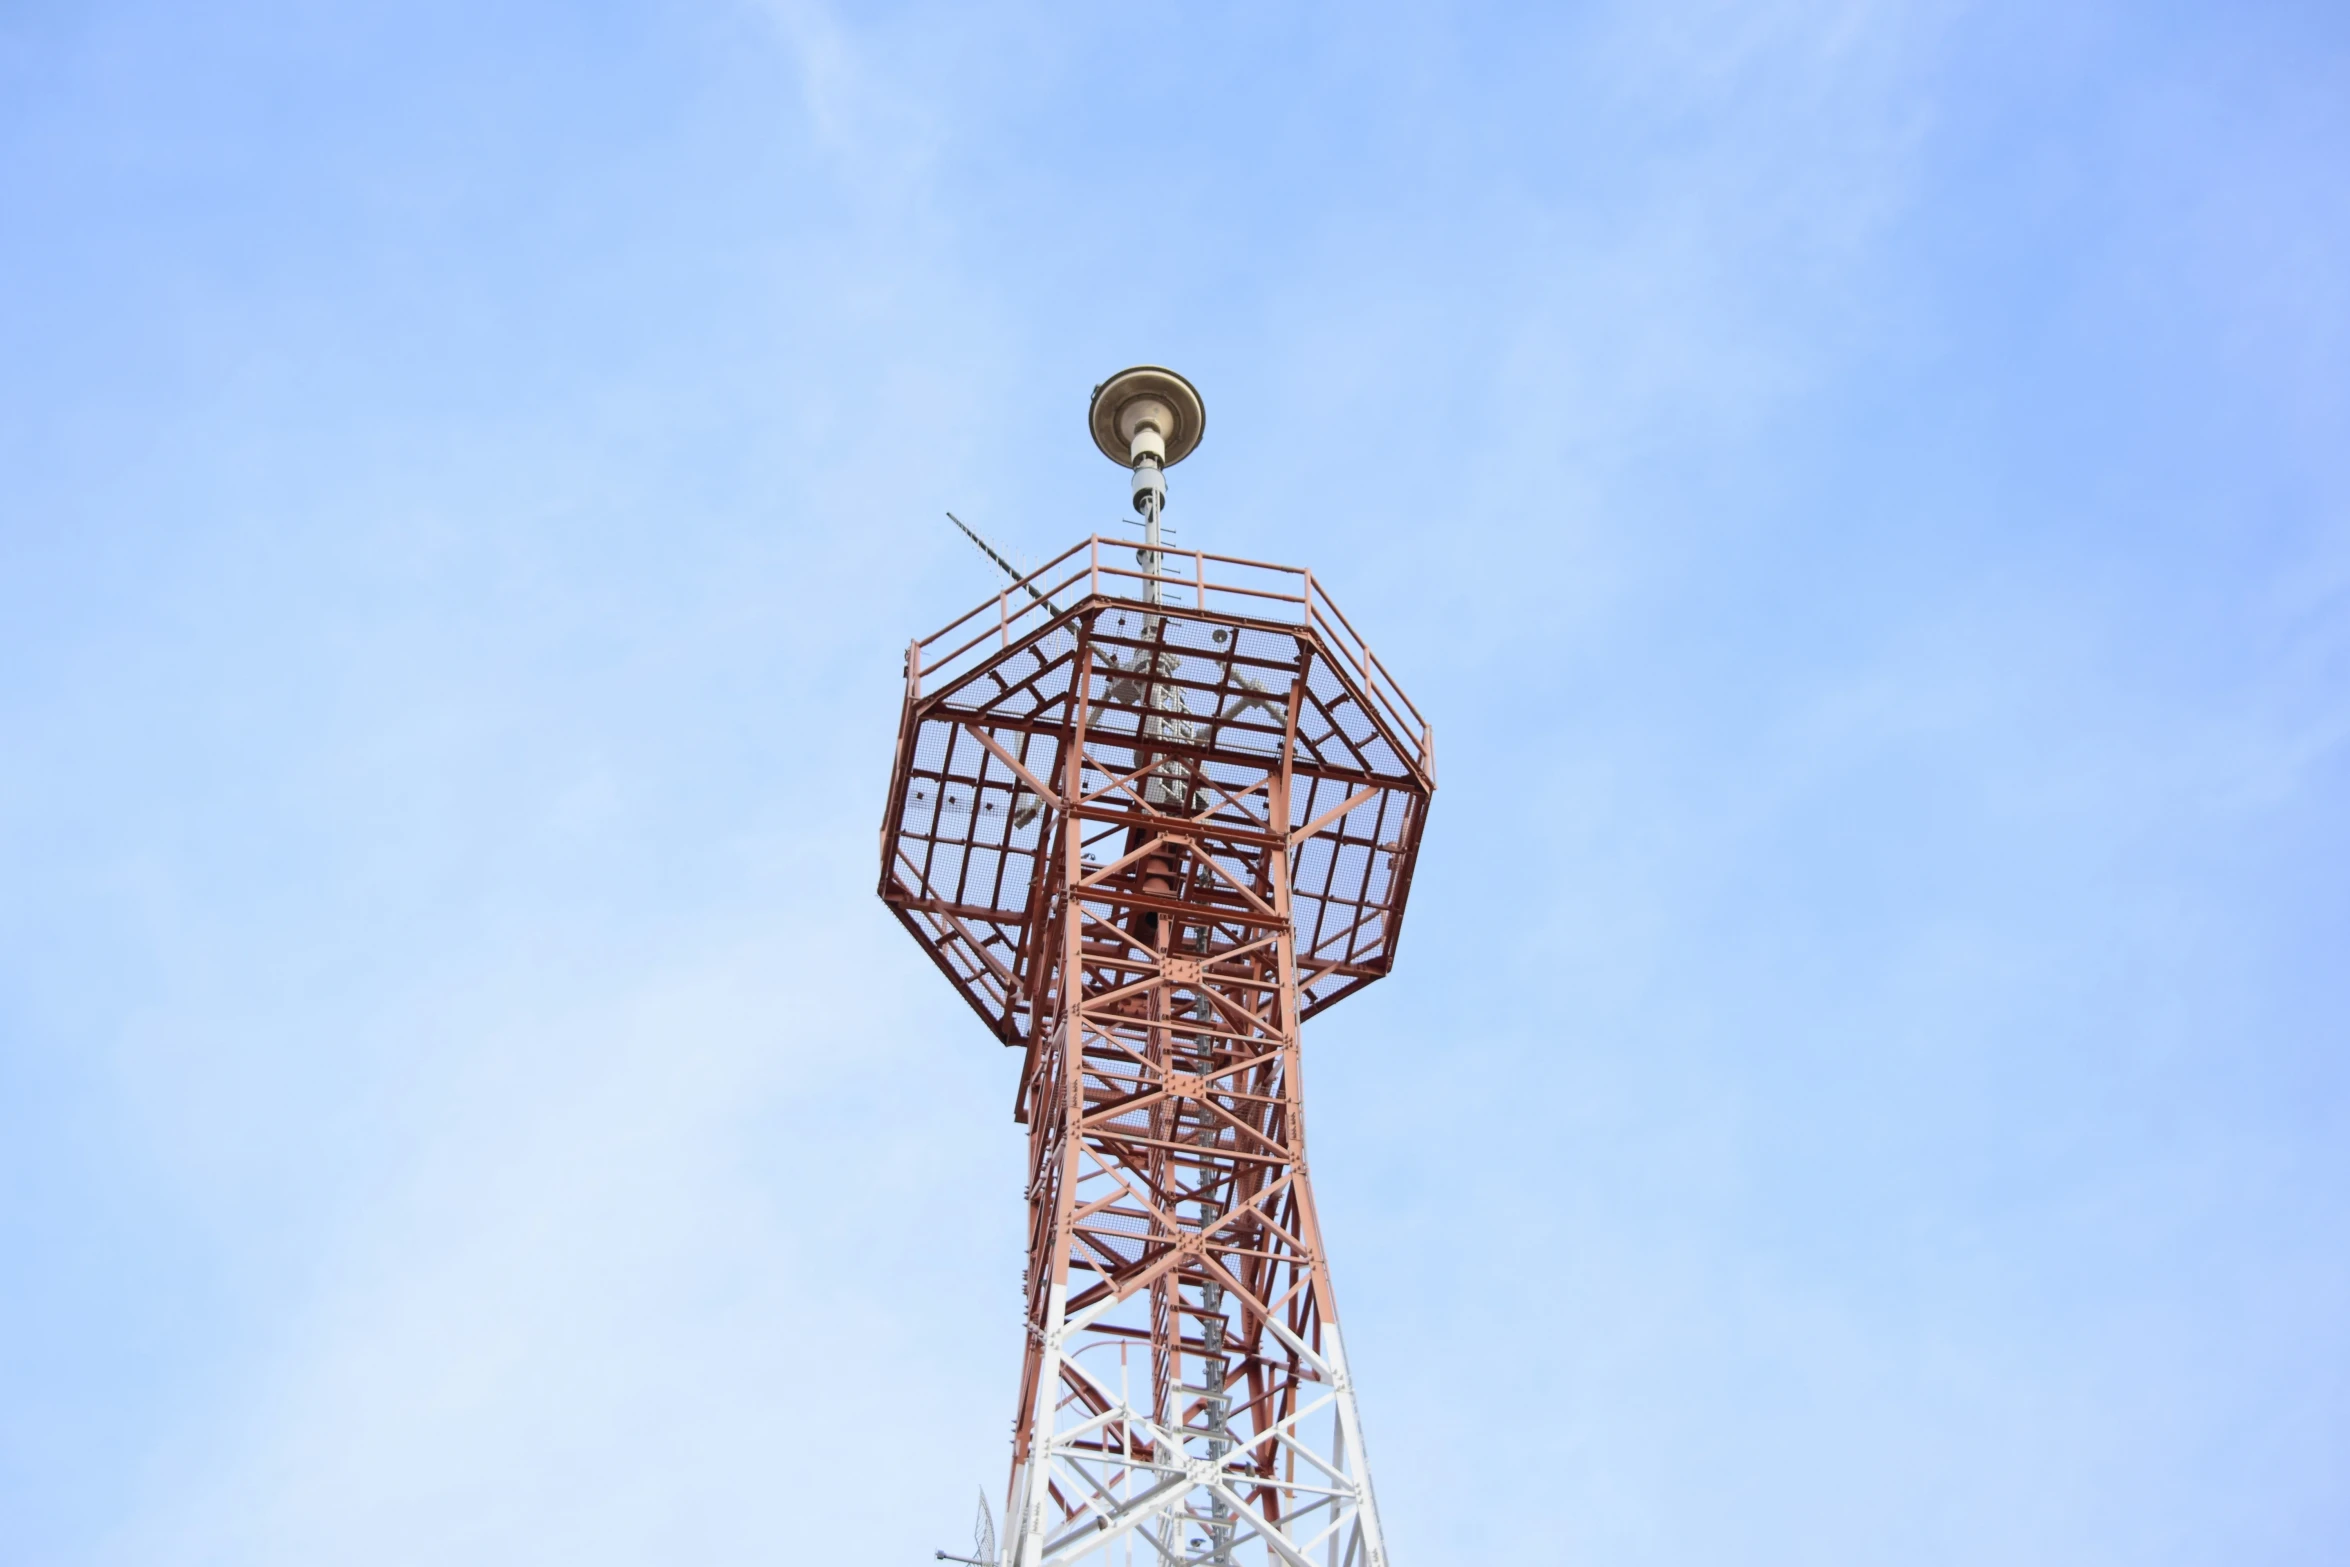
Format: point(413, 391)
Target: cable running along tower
point(1151, 810)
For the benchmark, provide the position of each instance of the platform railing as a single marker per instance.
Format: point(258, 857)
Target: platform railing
point(1188, 581)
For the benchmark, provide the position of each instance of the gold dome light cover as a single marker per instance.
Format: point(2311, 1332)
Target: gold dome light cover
point(1152, 395)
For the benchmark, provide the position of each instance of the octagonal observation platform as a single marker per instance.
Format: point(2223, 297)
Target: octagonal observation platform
point(1188, 705)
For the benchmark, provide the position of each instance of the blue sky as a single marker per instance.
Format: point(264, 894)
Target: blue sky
point(1862, 491)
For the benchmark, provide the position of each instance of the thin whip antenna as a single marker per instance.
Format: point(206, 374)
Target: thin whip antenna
point(1019, 577)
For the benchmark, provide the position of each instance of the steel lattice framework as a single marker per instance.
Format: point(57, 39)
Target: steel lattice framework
point(1148, 821)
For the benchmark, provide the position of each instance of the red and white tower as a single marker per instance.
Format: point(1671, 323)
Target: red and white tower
point(1153, 809)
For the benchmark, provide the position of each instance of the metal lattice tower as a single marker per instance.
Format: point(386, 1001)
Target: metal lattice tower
point(1148, 819)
